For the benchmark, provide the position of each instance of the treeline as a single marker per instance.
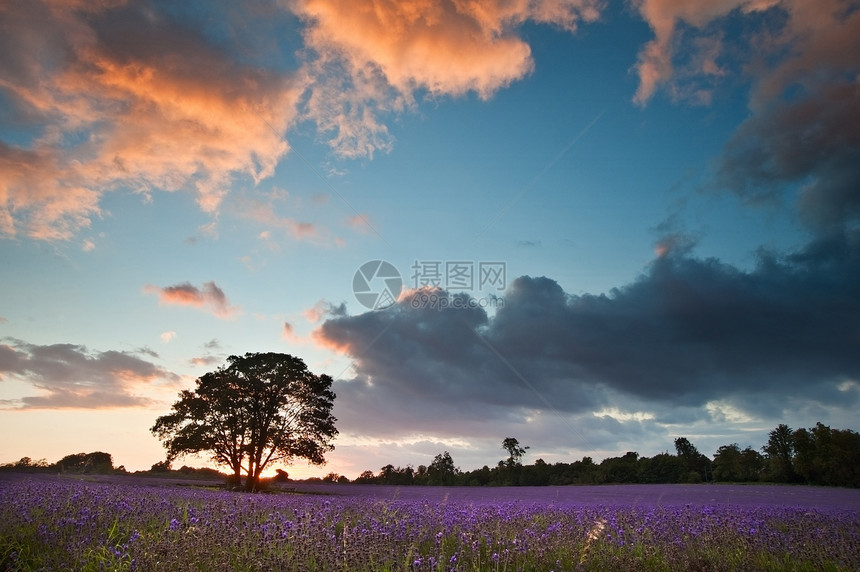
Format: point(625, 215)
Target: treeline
point(815, 456)
point(100, 463)
point(83, 463)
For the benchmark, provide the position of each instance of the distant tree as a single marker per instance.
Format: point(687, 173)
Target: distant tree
point(535, 475)
point(259, 409)
point(752, 464)
point(780, 455)
point(825, 456)
point(620, 469)
point(727, 463)
point(442, 470)
point(367, 477)
point(661, 468)
point(421, 475)
point(391, 475)
point(698, 466)
point(160, 467)
point(331, 478)
point(95, 462)
point(515, 451)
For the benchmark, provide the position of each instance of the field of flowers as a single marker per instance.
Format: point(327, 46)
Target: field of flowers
point(66, 524)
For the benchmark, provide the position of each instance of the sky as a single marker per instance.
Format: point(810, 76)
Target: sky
point(590, 225)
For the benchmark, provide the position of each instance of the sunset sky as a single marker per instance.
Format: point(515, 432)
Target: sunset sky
point(614, 222)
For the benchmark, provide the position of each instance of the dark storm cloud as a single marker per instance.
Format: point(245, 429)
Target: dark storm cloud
point(814, 143)
point(688, 332)
point(71, 376)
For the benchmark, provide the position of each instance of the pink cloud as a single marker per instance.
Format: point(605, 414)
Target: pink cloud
point(265, 213)
point(205, 361)
point(374, 57)
point(162, 111)
point(210, 297)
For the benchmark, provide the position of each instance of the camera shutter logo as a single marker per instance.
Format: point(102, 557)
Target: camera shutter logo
point(377, 284)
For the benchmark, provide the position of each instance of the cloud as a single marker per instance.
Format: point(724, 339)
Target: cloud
point(656, 64)
point(788, 42)
point(71, 376)
point(801, 141)
point(167, 337)
point(147, 351)
point(322, 309)
point(127, 96)
point(690, 338)
point(210, 298)
point(374, 58)
point(205, 361)
point(265, 212)
point(288, 333)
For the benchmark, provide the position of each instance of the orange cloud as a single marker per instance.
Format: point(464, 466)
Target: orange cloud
point(209, 297)
point(265, 213)
point(816, 35)
point(374, 56)
point(161, 110)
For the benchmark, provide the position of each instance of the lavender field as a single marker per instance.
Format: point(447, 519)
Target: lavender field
point(55, 523)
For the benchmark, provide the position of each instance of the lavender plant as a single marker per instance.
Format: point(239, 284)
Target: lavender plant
point(61, 524)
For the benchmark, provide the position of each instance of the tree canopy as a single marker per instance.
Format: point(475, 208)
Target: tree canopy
point(514, 449)
point(261, 408)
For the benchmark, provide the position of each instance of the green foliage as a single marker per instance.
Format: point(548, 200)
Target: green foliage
point(779, 451)
point(825, 456)
point(732, 464)
point(442, 470)
point(695, 462)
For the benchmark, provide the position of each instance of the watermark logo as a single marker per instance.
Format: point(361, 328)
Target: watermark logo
point(459, 274)
point(377, 284)
point(439, 284)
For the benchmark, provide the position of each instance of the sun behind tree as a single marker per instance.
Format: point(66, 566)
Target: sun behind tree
point(261, 408)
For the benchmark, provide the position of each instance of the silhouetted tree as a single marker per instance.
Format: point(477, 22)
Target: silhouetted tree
point(160, 467)
point(95, 462)
point(661, 468)
point(259, 409)
point(780, 455)
point(442, 470)
point(515, 451)
point(620, 469)
point(825, 456)
point(732, 464)
point(698, 466)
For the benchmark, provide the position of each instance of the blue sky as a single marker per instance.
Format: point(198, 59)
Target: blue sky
point(672, 191)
